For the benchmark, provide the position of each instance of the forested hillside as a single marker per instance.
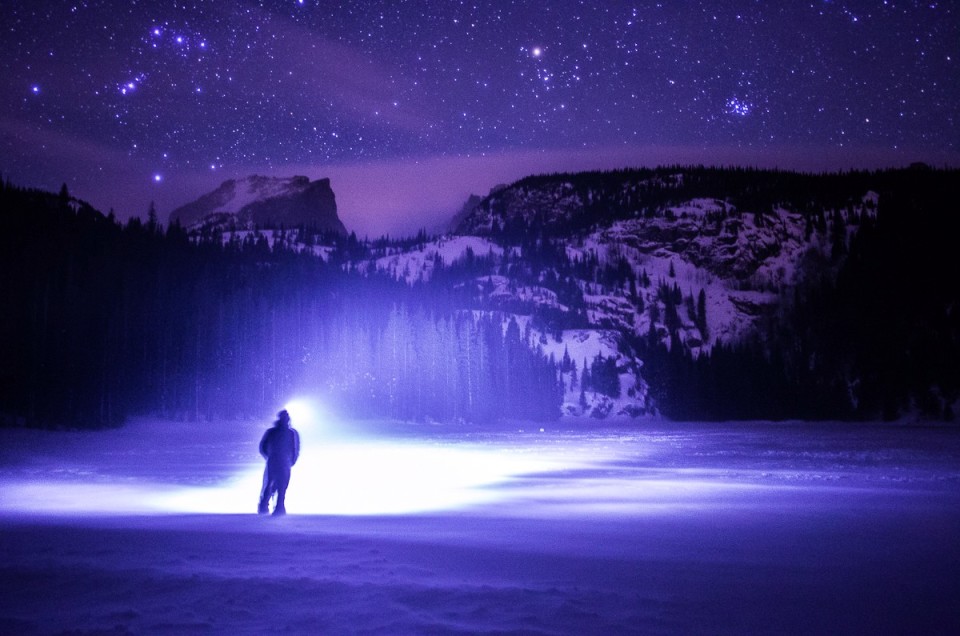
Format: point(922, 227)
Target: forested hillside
point(692, 293)
point(103, 320)
point(752, 293)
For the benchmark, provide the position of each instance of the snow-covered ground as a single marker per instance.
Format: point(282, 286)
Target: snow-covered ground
point(417, 264)
point(398, 529)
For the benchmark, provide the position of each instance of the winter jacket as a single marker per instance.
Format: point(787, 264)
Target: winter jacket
point(280, 444)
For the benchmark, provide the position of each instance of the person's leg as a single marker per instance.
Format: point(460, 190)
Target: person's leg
point(265, 493)
point(281, 481)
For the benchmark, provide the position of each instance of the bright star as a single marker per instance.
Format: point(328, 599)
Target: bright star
point(537, 51)
point(157, 178)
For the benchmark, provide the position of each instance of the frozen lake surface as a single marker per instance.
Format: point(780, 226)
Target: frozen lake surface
point(651, 528)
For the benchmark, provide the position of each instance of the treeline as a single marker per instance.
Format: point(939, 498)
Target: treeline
point(878, 340)
point(105, 320)
point(454, 366)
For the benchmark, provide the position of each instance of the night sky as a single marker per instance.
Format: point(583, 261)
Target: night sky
point(410, 106)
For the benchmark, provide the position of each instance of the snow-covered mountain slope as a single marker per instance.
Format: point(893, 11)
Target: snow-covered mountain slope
point(418, 263)
point(590, 268)
point(582, 347)
point(645, 240)
point(739, 263)
point(258, 201)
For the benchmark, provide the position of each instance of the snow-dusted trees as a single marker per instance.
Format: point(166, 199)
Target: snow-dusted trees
point(604, 377)
point(408, 363)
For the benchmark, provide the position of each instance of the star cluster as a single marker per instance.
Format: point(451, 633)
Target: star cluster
point(189, 85)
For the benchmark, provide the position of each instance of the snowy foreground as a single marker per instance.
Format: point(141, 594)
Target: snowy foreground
point(656, 528)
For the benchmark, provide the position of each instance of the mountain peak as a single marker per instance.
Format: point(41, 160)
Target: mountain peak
point(263, 201)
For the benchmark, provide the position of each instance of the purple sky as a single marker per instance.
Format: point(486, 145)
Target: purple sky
point(409, 107)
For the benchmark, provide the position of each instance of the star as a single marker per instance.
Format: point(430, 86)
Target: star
point(652, 74)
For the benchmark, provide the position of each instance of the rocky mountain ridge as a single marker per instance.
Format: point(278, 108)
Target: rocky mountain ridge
point(265, 202)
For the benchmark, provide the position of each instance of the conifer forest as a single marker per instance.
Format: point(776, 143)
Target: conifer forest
point(105, 319)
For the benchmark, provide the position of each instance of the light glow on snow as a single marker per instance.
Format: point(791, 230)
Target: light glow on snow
point(333, 477)
point(174, 468)
point(338, 475)
point(370, 477)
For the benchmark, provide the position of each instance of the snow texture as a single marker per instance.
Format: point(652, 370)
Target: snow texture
point(252, 189)
point(417, 264)
point(722, 529)
point(288, 238)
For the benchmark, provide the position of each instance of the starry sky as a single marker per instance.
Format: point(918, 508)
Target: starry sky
point(410, 106)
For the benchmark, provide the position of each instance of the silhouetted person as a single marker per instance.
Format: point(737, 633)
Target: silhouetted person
point(280, 446)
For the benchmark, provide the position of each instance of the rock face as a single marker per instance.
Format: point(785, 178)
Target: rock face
point(637, 252)
point(265, 202)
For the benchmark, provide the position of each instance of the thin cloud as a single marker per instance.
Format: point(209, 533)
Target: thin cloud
point(368, 90)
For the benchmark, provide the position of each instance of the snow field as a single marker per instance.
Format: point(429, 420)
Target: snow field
point(669, 528)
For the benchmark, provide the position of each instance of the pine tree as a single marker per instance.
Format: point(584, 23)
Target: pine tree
point(654, 312)
point(838, 236)
point(702, 315)
point(153, 224)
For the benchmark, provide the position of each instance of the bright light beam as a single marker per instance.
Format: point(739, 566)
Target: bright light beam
point(370, 478)
point(526, 475)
